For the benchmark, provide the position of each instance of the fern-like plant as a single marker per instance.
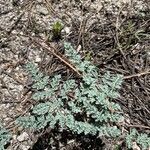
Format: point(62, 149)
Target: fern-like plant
point(142, 139)
point(4, 137)
point(86, 107)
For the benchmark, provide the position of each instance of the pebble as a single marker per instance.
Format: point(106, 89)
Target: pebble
point(37, 59)
point(24, 147)
point(67, 30)
point(24, 136)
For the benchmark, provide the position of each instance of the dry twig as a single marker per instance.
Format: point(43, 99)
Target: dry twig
point(137, 75)
point(54, 51)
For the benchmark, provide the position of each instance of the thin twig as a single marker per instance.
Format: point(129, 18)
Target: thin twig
point(137, 75)
point(138, 126)
point(55, 52)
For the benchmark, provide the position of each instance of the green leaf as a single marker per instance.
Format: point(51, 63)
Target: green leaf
point(41, 108)
point(27, 122)
point(4, 137)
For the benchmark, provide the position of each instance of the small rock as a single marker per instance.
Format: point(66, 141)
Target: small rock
point(42, 10)
point(24, 136)
point(79, 48)
point(135, 146)
point(37, 59)
point(24, 147)
point(14, 137)
point(67, 30)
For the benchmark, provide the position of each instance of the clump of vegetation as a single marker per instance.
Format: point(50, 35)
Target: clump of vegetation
point(56, 30)
point(141, 139)
point(4, 137)
point(86, 107)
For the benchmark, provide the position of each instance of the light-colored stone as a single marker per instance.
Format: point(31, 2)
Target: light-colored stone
point(66, 30)
point(24, 147)
point(135, 146)
point(24, 136)
point(37, 59)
